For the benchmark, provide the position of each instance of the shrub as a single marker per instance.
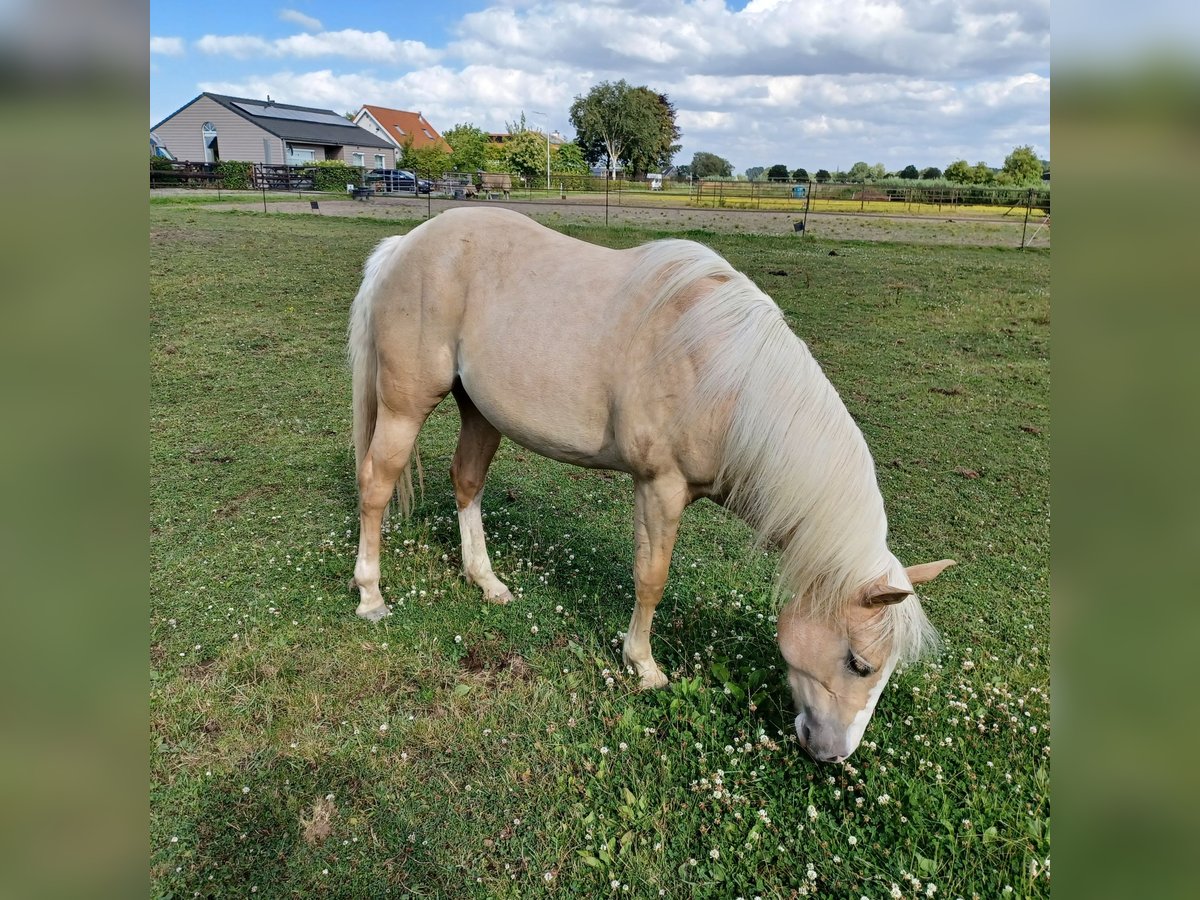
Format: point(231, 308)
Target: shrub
point(333, 175)
point(236, 175)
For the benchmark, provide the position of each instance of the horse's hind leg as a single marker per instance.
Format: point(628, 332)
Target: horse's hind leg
point(391, 445)
point(477, 443)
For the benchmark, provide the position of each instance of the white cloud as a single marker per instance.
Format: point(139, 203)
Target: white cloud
point(308, 23)
point(370, 46)
point(818, 85)
point(167, 46)
point(771, 37)
point(487, 96)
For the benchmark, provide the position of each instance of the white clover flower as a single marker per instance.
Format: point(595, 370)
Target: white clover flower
point(896, 892)
point(714, 853)
point(853, 841)
point(812, 811)
point(603, 751)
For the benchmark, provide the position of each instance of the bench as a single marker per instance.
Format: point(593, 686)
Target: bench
point(361, 193)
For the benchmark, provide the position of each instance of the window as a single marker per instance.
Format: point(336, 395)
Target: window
point(401, 130)
point(379, 162)
point(427, 134)
point(300, 156)
point(208, 134)
point(358, 159)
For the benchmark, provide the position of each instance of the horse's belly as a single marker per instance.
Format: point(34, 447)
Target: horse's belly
point(560, 419)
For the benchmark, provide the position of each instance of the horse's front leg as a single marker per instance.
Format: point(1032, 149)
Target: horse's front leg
point(659, 504)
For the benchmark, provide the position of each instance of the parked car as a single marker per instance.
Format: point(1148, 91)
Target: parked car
point(398, 180)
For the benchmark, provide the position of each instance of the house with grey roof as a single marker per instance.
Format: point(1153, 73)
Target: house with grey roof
point(214, 127)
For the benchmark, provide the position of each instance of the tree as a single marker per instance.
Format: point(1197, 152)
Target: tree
point(959, 171)
point(568, 159)
point(860, 171)
point(754, 173)
point(430, 160)
point(657, 155)
point(468, 146)
point(910, 172)
point(823, 176)
point(801, 175)
point(931, 172)
point(778, 172)
point(617, 123)
point(877, 172)
point(981, 173)
point(1023, 166)
point(709, 165)
point(683, 173)
point(525, 152)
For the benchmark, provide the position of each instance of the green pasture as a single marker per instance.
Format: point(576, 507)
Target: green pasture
point(461, 749)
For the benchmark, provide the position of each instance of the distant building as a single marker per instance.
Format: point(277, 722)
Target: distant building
point(214, 127)
point(400, 127)
point(502, 137)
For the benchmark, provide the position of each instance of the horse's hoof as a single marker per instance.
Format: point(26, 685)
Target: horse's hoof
point(373, 613)
point(502, 599)
point(649, 677)
point(652, 681)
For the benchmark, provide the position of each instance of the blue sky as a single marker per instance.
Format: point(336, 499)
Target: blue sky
point(801, 82)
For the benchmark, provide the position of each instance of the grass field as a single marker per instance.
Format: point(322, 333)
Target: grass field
point(461, 749)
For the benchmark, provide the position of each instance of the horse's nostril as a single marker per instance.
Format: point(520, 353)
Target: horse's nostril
point(807, 734)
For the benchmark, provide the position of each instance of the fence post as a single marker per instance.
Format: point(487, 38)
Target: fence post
point(807, 202)
point(1025, 227)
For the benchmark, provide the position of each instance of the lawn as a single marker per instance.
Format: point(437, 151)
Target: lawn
point(461, 749)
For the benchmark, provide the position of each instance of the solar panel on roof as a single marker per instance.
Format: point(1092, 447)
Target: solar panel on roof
point(294, 115)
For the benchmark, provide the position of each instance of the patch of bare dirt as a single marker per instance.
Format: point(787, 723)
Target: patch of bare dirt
point(319, 826)
point(490, 663)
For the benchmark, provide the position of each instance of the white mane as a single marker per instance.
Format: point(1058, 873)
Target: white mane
point(794, 463)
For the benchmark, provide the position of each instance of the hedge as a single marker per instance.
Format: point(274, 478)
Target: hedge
point(333, 175)
point(236, 175)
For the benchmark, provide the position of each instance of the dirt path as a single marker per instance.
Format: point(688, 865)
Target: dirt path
point(964, 230)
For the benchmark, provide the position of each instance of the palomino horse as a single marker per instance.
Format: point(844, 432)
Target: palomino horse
point(660, 361)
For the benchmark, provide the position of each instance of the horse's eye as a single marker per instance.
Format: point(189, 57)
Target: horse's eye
point(857, 666)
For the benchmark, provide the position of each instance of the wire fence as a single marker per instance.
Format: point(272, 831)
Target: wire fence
point(1028, 205)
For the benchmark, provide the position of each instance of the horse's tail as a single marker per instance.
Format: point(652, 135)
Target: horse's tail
point(363, 357)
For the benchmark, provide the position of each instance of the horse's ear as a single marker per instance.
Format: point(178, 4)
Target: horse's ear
point(881, 594)
point(926, 572)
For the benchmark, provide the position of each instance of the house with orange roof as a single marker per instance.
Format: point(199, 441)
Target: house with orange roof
point(400, 127)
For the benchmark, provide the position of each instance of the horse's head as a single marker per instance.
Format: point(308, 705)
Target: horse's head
point(837, 668)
